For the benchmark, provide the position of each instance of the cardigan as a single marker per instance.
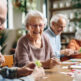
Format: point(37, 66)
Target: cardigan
point(26, 52)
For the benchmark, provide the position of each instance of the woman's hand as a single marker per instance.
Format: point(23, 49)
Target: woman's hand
point(35, 71)
point(26, 70)
point(31, 65)
point(51, 63)
point(2, 59)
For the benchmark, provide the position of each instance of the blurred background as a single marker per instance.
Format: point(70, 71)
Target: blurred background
point(17, 10)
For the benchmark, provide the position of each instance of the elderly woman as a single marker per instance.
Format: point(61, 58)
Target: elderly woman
point(75, 44)
point(35, 45)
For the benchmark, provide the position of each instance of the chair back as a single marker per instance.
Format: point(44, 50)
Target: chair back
point(8, 61)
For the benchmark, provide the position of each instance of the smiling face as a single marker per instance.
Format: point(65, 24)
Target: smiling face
point(58, 27)
point(35, 27)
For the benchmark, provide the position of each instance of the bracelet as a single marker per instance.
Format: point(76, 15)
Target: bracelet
point(4, 72)
point(12, 73)
point(9, 72)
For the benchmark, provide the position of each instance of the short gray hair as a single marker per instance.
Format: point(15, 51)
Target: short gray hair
point(78, 34)
point(34, 13)
point(56, 17)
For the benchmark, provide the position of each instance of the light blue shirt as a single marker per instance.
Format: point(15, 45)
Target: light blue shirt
point(55, 42)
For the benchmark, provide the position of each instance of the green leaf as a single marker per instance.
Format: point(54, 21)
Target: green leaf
point(38, 63)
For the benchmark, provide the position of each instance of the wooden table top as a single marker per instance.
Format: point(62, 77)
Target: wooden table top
point(56, 75)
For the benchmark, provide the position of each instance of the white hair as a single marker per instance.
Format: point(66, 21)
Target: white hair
point(34, 13)
point(56, 17)
point(78, 35)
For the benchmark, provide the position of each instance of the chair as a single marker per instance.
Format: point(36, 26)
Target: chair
point(8, 61)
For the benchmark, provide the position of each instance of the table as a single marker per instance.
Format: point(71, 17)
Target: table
point(55, 75)
point(51, 74)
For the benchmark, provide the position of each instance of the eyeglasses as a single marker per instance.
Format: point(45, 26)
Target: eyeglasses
point(1, 21)
point(37, 25)
point(60, 26)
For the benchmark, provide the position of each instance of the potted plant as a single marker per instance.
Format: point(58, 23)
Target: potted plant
point(20, 4)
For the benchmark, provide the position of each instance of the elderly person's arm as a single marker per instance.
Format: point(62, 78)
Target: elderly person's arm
point(21, 57)
point(53, 61)
point(69, 52)
point(17, 72)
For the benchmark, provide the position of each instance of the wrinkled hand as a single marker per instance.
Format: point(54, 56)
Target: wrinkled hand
point(31, 65)
point(26, 70)
point(38, 73)
point(2, 59)
point(69, 52)
point(51, 63)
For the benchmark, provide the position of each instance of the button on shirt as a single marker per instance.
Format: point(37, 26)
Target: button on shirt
point(55, 42)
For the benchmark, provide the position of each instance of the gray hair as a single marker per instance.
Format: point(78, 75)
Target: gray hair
point(78, 34)
point(34, 13)
point(56, 17)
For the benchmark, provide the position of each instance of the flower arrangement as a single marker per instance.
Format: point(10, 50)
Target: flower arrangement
point(20, 4)
point(38, 63)
point(24, 5)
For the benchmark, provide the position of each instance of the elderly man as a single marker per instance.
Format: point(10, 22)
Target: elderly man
point(3, 12)
point(57, 24)
point(16, 72)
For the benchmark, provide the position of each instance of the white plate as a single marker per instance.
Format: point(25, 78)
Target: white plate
point(69, 62)
point(75, 66)
point(75, 60)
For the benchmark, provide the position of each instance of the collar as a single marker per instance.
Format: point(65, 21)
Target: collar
point(52, 33)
